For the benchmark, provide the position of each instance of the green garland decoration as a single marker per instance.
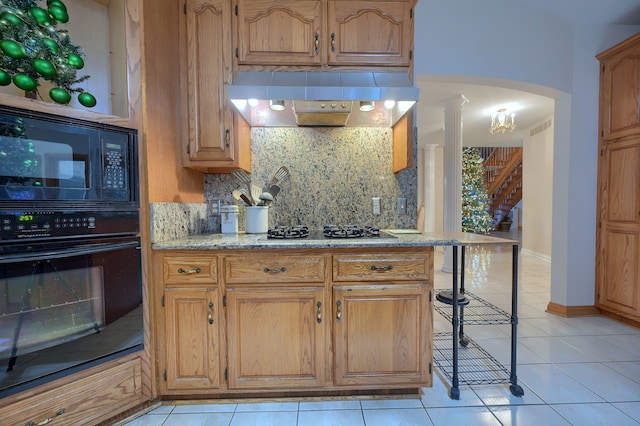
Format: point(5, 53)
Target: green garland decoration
point(33, 48)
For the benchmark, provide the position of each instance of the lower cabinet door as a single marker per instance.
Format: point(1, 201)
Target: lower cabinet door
point(192, 339)
point(381, 334)
point(276, 337)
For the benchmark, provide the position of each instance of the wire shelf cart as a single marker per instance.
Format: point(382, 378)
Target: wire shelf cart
point(460, 358)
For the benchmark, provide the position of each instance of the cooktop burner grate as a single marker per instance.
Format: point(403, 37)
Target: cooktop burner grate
point(328, 231)
point(286, 232)
point(349, 231)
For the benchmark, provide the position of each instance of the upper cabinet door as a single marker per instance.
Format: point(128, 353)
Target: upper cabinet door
point(372, 33)
point(279, 32)
point(208, 72)
point(620, 89)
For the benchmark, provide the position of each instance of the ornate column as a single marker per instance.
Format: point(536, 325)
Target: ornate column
point(452, 170)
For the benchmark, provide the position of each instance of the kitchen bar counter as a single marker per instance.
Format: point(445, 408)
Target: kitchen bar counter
point(404, 238)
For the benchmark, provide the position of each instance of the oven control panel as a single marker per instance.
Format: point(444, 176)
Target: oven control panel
point(38, 225)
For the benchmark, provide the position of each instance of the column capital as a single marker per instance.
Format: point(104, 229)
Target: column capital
point(457, 101)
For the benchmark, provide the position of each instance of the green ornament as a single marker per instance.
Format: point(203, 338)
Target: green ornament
point(59, 13)
point(44, 67)
point(60, 95)
point(25, 82)
point(56, 3)
point(52, 45)
point(12, 49)
point(75, 61)
point(5, 78)
point(40, 15)
point(87, 99)
point(10, 18)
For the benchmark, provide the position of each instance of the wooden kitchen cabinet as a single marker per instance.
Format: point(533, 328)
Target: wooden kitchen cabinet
point(218, 138)
point(382, 323)
point(276, 337)
point(192, 333)
point(381, 334)
point(320, 33)
point(370, 33)
point(620, 89)
point(276, 333)
point(245, 322)
point(192, 323)
point(618, 227)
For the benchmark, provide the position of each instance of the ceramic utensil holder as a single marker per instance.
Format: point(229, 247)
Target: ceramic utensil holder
point(256, 219)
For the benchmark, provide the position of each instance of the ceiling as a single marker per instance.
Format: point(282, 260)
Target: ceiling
point(483, 99)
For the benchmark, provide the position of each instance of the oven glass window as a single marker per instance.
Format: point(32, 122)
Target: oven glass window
point(49, 307)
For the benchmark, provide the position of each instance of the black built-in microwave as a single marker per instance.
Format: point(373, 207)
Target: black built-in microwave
point(50, 158)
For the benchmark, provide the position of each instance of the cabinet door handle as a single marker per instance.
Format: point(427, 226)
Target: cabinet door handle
point(210, 316)
point(275, 270)
point(338, 311)
point(316, 42)
point(319, 313)
point(227, 136)
point(381, 268)
point(189, 271)
point(333, 42)
point(48, 419)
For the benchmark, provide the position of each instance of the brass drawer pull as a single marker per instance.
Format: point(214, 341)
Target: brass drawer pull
point(48, 419)
point(381, 268)
point(276, 270)
point(189, 271)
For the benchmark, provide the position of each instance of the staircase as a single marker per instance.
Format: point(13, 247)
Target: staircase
point(503, 177)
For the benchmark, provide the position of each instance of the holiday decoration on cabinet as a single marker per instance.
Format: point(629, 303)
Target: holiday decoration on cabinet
point(34, 48)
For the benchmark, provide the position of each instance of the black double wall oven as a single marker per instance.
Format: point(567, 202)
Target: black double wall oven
point(70, 269)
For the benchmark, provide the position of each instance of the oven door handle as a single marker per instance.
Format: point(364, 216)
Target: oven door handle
point(70, 252)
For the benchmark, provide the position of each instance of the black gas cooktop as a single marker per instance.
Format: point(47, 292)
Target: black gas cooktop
point(327, 232)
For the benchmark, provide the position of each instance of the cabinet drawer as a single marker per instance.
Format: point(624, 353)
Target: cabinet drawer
point(274, 269)
point(85, 401)
point(192, 270)
point(383, 267)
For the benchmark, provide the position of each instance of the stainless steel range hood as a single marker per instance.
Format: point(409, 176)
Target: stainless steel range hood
point(322, 98)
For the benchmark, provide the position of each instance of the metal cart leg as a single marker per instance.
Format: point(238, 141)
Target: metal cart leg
point(454, 393)
point(515, 388)
point(463, 340)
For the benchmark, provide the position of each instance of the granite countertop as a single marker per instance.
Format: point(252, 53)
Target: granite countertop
point(403, 238)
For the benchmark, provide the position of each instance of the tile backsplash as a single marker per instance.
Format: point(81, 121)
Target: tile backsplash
point(334, 174)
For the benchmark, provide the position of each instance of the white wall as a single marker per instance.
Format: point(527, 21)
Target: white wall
point(461, 38)
point(537, 181)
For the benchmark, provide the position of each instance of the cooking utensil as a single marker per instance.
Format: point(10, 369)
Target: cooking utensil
point(279, 175)
point(274, 190)
point(240, 194)
point(265, 199)
point(244, 177)
point(255, 193)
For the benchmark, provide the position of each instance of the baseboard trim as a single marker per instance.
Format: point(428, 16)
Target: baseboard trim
point(620, 317)
point(535, 254)
point(571, 311)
